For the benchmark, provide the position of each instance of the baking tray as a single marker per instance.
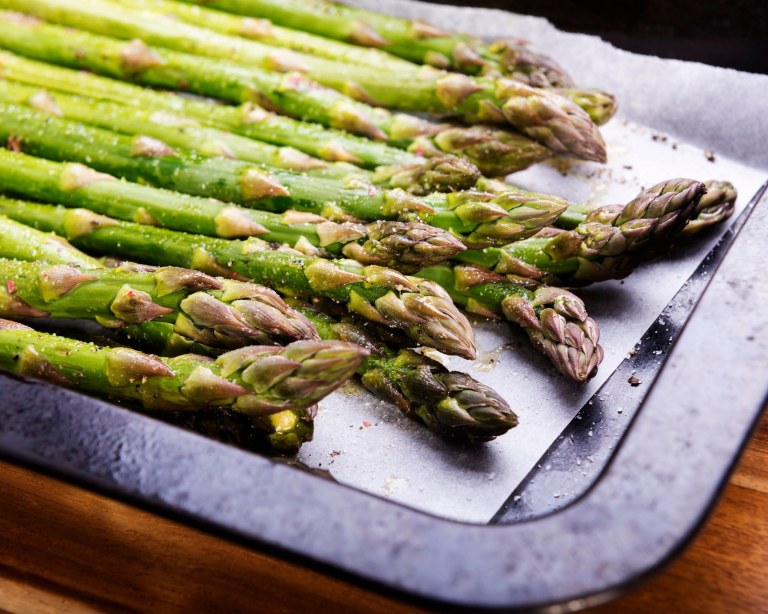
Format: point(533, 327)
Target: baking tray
point(615, 496)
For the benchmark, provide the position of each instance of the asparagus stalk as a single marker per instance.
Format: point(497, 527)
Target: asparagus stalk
point(421, 309)
point(405, 246)
point(412, 39)
point(609, 244)
point(555, 320)
point(439, 173)
point(248, 120)
point(526, 65)
point(266, 32)
point(543, 115)
point(256, 380)
point(450, 403)
point(494, 151)
point(281, 432)
point(223, 313)
point(477, 217)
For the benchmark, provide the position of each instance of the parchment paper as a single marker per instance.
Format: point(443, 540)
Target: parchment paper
point(671, 113)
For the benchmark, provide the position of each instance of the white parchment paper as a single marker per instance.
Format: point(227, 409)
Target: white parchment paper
point(671, 113)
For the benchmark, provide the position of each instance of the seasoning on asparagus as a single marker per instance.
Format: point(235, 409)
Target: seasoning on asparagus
point(542, 114)
point(420, 308)
point(256, 380)
point(405, 246)
point(414, 40)
point(479, 218)
point(493, 150)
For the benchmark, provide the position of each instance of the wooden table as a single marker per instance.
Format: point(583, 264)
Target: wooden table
point(63, 549)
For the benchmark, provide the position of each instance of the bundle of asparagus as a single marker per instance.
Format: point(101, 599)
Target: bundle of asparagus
point(314, 212)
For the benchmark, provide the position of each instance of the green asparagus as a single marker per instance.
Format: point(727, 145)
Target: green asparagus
point(447, 402)
point(405, 246)
point(412, 39)
point(609, 244)
point(477, 217)
point(492, 150)
point(255, 380)
point(264, 31)
point(555, 320)
point(421, 309)
point(543, 115)
point(529, 66)
point(223, 313)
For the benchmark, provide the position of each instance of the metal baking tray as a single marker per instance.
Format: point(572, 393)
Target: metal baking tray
point(619, 491)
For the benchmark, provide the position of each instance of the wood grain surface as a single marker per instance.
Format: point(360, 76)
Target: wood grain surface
point(67, 550)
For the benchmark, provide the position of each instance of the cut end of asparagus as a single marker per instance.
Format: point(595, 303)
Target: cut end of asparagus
point(437, 174)
point(495, 152)
point(556, 323)
point(11, 325)
point(405, 246)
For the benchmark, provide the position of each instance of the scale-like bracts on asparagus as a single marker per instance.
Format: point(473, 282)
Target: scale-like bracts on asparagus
point(610, 243)
point(555, 320)
point(216, 312)
point(448, 402)
point(715, 207)
point(541, 114)
point(281, 432)
point(411, 39)
point(599, 105)
point(494, 151)
point(255, 380)
point(405, 246)
point(479, 218)
point(418, 307)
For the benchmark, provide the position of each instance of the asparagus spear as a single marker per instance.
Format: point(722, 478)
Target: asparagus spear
point(541, 114)
point(405, 246)
point(421, 309)
point(525, 64)
point(448, 402)
point(555, 320)
point(225, 313)
point(495, 152)
point(264, 31)
point(256, 380)
point(477, 217)
point(439, 173)
point(281, 432)
point(609, 244)
point(714, 207)
point(411, 39)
